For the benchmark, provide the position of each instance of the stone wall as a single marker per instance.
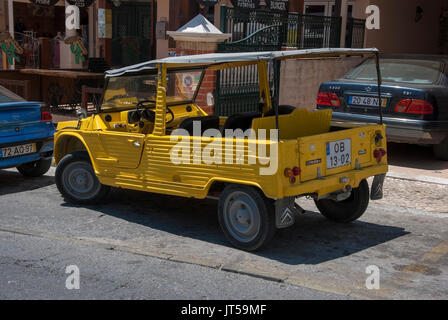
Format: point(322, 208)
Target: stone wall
point(301, 79)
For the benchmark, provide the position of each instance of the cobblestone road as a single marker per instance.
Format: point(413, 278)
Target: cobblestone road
point(429, 197)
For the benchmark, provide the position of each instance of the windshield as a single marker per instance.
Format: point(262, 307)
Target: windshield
point(8, 96)
point(399, 70)
point(126, 91)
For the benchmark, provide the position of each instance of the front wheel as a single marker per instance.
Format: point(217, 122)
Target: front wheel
point(347, 210)
point(76, 180)
point(246, 217)
point(35, 169)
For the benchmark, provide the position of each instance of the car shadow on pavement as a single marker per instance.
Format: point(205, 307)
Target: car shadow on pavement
point(312, 240)
point(11, 181)
point(414, 156)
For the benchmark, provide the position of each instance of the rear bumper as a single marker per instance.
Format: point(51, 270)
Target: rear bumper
point(329, 184)
point(44, 146)
point(399, 129)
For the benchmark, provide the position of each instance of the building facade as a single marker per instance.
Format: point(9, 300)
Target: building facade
point(124, 32)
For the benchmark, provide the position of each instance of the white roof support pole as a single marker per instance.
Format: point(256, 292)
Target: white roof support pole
point(11, 25)
point(344, 12)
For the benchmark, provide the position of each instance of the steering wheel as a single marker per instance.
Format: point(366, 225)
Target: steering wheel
point(149, 114)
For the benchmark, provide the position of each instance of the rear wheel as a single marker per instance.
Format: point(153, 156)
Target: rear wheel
point(35, 169)
point(76, 180)
point(441, 150)
point(246, 217)
point(348, 210)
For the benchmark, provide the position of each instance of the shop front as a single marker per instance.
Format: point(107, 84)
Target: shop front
point(43, 60)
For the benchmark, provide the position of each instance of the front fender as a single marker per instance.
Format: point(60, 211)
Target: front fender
point(66, 142)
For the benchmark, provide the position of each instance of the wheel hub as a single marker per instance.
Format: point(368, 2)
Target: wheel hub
point(242, 217)
point(79, 181)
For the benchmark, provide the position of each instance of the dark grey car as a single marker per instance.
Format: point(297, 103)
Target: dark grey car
point(414, 98)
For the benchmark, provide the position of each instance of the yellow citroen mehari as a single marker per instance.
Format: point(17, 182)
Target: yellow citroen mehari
point(148, 134)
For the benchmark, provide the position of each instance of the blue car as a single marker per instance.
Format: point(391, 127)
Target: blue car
point(414, 98)
point(26, 135)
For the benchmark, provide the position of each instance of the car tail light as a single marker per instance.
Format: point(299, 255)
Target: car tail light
point(45, 116)
point(296, 171)
point(289, 173)
point(379, 154)
point(414, 106)
point(328, 99)
point(293, 180)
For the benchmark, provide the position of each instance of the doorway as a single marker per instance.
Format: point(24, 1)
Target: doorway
point(132, 33)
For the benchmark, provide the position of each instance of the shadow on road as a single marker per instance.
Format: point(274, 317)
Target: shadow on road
point(312, 240)
point(413, 156)
point(12, 181)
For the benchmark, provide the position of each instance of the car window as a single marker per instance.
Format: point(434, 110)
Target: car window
point(8, 96)
point(399, 70)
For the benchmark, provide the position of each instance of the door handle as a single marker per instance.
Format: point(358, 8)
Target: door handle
point(134, 143)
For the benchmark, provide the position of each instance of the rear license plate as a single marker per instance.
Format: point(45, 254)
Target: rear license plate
point(14, 151)
point(366, 101)
point(339, 153)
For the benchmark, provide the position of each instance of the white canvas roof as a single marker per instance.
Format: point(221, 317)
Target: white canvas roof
point(219, 58)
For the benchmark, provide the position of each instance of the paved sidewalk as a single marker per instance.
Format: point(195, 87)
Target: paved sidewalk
point(416, 195)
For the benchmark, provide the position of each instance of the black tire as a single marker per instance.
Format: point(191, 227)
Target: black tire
point(35, 169)
point(258, 217)
point(441, 150)
point(348, 210)
point(74, 169)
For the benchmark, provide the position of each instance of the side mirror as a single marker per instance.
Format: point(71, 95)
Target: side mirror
point(81, 113)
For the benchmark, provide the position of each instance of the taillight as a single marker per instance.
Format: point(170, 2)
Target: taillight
point(379, 154)
point(288, 173)
point(328, 99)
point(296, 171)
point(292, 174)
point(45, 116)
point(414, 106)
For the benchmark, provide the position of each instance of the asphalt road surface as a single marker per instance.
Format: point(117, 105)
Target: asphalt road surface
point(146, 246)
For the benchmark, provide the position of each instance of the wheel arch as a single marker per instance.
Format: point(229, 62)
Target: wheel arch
point(68, 143)
point(218, 185)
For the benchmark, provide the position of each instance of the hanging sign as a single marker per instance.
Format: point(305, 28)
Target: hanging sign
point(80, 3)
point(277, 5)
point(208, 3)
point(45, 3)
point(246, 4)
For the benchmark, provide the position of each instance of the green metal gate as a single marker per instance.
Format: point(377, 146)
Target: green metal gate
point(237, 89)
point(261, 30)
